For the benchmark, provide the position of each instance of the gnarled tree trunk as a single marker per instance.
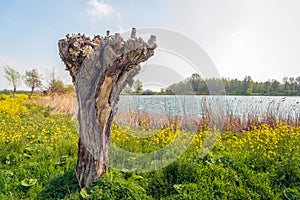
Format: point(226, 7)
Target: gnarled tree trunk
point(100, 68)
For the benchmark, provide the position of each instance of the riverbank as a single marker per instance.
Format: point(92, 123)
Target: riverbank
point(39, 153)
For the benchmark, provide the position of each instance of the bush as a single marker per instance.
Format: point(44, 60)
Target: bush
point(60, 186)
point(115, 186)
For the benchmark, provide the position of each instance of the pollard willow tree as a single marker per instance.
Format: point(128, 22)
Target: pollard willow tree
point(100, 68)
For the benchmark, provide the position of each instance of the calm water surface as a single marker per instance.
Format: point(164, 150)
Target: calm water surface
point(196, 105)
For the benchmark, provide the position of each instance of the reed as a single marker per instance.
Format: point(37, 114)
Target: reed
point(64, 103)
point(223, 119)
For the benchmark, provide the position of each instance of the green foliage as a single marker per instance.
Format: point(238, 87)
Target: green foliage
point(70, 88)
point(28, 182)
point(13, 77)
point(197, 85)
point(61, 186)
point(32, 79)
point(115, 186)
point(137, 87)
point(39, 152)
point(56, 86)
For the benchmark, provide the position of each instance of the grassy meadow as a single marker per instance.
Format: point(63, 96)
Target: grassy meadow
point(39, 153)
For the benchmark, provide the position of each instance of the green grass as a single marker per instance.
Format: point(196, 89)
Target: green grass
point(39, 162)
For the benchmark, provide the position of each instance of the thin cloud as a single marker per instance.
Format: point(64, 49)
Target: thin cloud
point(100, 9)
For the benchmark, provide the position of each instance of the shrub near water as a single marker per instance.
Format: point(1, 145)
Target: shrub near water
point(39, 151)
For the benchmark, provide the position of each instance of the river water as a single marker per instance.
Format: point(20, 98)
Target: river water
point(197, 105)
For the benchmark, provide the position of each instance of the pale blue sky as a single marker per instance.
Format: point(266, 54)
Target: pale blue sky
point(260, 38)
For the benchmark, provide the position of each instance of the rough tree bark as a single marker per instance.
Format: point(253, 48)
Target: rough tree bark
point(100, 68)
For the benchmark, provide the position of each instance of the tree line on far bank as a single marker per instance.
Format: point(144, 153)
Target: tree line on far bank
point(33, 79)
point(195, 84)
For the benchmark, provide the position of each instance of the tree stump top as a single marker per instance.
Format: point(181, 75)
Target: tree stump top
point(75, 48)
